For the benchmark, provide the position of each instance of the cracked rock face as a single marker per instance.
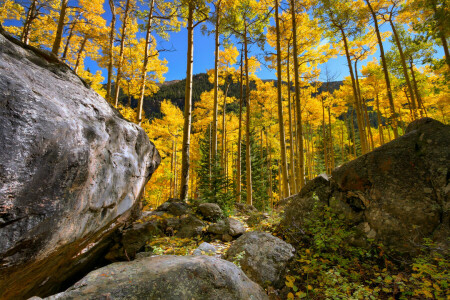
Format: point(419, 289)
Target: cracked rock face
point(397, 194)
point(71, 172)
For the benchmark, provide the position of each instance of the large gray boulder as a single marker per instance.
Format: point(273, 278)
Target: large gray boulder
point(397, 194)
point(71, 172)
point(166, 277)
point(262, 256)
point(210, 211)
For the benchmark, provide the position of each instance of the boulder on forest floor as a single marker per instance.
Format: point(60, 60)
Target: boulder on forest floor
point(166, 277)
point(71, 172)
point(205, 249)
point(396, 194)
point(262, 256)
point(210, 211)
point(227, 229)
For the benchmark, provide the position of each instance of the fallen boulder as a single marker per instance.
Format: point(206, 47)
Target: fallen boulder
point(227, 229)
point(205, 249)
point(71, 172)
point(396, 194)
point(166, 277)
point(210, 211)
point(262, 256)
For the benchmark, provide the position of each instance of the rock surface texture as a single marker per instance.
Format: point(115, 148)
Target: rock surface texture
point(71, 172)
point(262, 256)
point(166, 277)
point(397, 194)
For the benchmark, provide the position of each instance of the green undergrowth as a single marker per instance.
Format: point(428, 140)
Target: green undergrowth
point(326, 266)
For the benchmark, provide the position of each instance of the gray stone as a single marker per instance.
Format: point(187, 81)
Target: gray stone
point(399, 191)
point(210, 211)
point(228, 226)
point(205, 248)
point(71, 172)
point(264, 257)
point(166, 277)
point(189, 226)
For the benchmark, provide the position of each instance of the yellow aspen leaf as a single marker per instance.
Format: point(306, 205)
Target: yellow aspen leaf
point(290, 296)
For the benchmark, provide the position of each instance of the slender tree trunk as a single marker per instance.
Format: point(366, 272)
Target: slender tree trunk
point(247, 146)
point(187, 107)
point(324, 138)
point(216, 81)
point(369, 130)
point(331, 140)
point(361, 108)
point(404, 69)
point(224, 114)
point(110, 49)
point(60, 28)
point(353, 134)
point(416, 89)
point(385, 70)
point(146, 59)
point(80, 51)
point(380, 126)
point(291, 135)
point(239, 154)
point(359, 119)
point(301, 169)
point(28, 21)
point(121, 54)
point(172, 190)
point(280, 108)
point(69, 37)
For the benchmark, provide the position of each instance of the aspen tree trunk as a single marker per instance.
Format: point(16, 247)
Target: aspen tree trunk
point(144, 66)
point(361, 104)
point(301, 169)
point(353, 134)
point(171, 169)
point(280, 108)
point(380, 126)
point(210, 153)
point(269, 167)
point(175, 184)
point(404, 69)
point(291, 135)
point(389, 132)
point(416, 89)
point(27, 25)
point(369, 130)
point(80, 51)
point(324, 138)
point(184, 186)
point(224, 113)
point(362, 135)
point(216, 82)
point(121, 54)
point(239, 154)
point(445, 45)
point(385, 70)
point(60, 28)
point(69, 37)
point(110, 50)
point(248, 162)
point(331, 141)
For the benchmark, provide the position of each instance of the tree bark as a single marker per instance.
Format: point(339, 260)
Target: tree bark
point(145, 64)
point(239, 154)
point(248, 162)
point(80, 51)
point(291, 135)
point(185, 159)
point(385, 71)
point(121, 54)
point(362, 135)
point(27, 25)
point(301, 169)
point(280, 108)
point(60, 28)
point(110, 50)
point(216, 82)
point(404, 69)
